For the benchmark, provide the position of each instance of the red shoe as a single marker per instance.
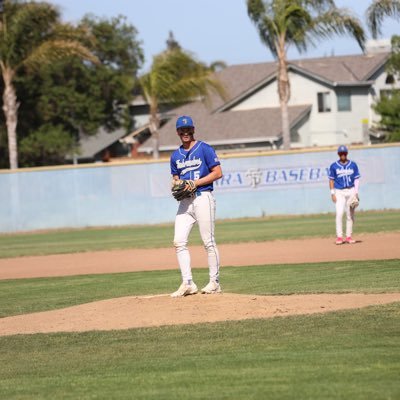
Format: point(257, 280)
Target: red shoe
point(349, 240)
point(339, 240)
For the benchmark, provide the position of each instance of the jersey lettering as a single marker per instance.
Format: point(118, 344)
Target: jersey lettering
point(188, 165)
point(344, 172)
point(195, 163)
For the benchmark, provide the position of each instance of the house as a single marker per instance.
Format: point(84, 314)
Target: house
point(331, 103)
point(99, 147)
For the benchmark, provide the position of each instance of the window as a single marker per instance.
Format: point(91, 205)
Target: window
point(344, 100)
point(389, 79)
point(324, 102)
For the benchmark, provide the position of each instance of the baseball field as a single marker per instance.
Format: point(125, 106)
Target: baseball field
point(86, 314)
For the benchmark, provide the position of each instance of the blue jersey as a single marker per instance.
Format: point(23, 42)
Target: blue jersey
point(344, 175)
point(195, 163)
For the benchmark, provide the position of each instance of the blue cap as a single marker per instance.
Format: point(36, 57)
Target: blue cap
point(342, 149)
point(184, 121)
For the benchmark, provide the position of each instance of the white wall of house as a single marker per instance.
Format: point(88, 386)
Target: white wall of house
point(323, 128)
point(303, 131)
point(351, 122)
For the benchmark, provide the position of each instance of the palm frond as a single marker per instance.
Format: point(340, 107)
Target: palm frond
point(338, 21)
point(378, 10)
point(175, 76)
point(26, 24)
point(79, 33)
point(296, 22)
point(54, 50)
point(263, 18)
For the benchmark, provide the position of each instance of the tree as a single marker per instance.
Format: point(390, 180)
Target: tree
point(30, 36)
point(389, 109)
point(299, 23)
point(377, 11)
point(389, 105)
point(175, 77)
point(46, 146)
point(82, 97)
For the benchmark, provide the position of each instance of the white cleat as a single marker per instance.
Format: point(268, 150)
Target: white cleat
point(185, 290)
point(211, 288)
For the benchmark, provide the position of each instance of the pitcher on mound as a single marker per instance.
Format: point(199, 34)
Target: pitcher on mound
point(194, 168)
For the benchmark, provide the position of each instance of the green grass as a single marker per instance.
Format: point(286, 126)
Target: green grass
point(29, 295)
point(227, 231)
point(343, 355)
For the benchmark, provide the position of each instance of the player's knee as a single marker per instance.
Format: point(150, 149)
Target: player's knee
point(209, 244)
point(180, 245)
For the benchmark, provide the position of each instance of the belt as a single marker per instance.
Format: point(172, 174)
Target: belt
point(197, 194)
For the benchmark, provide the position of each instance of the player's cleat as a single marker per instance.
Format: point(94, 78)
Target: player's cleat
point(339, 240)
point(350, 240)
point(185, 290)
point(211, 288)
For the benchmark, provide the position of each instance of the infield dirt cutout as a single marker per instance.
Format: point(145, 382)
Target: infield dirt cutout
point(159, 310)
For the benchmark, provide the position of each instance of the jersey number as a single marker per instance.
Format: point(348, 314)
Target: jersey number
point(196, 175)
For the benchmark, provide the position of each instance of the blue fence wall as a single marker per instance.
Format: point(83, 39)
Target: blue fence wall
point(110, 195)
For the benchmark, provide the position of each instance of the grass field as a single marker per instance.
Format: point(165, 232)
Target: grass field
point(227, 231)
point(22, 296)
point(342, 355)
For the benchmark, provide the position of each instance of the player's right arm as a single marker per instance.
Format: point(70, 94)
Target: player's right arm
point(174, 169)
point(332, 174)
point(332, 189)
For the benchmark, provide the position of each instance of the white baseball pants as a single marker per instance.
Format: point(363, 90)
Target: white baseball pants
point(200, 209)
point(343, 198)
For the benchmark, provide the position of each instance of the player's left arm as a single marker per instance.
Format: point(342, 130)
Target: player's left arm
point(356, 179)
point(213, 164)
point(215, 173)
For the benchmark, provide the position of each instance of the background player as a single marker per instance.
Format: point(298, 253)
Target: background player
point(344, 184)
point(197, 161)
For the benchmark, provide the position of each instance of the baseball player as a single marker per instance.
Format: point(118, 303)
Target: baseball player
point(195, 162)
point(344, 178)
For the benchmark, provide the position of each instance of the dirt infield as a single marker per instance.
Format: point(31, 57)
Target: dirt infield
point(369, 247)
point(159, 310)
point(150, 311)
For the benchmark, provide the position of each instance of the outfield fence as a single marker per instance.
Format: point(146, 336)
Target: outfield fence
point(139, 193)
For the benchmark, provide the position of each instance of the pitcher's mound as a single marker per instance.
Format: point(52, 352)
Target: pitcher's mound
point(158, 310)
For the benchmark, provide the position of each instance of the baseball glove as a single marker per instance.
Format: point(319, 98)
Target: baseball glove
point(182, 189)
point(354, 202)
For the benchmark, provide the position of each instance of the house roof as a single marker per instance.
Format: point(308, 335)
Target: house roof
point(245, 126)
point(343, 69)
point(91, 145)
point(242, 80)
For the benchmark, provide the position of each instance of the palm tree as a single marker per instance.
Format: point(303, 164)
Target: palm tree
point(176, 77)
point(299, 23)
point(378, 10)
point(30, 36)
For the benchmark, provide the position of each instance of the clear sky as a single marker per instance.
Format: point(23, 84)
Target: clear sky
point(211, 29)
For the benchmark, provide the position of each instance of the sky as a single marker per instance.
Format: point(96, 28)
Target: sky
point(213, 30)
